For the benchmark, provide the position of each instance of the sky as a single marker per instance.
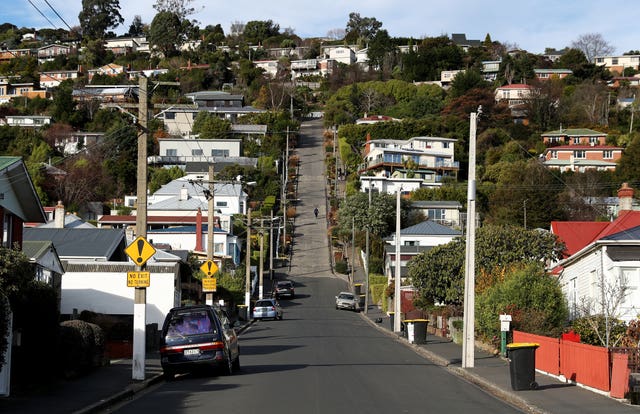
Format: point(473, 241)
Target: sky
point(531, 25)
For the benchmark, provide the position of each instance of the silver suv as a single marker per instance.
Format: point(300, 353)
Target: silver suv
point(346, 300)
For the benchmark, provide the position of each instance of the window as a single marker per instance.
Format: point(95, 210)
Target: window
point(436, 214)
point(446, 145)
point(579, 154)
point(410, 243)
point(576, 140)
point(554, 155)
point(221, 203)
point(172, 152)
point(220, 152)
point(614, 61)
point(607, 155)
point(196, 152)
point(594, 140)
point(169, 115)
point(218, 247)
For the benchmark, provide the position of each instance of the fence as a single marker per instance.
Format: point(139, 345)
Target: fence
point(580, 363)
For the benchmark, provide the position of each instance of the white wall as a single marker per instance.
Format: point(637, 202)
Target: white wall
point(107, 292)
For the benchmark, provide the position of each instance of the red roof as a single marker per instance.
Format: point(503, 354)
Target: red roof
point(578, 234)
point(516, 86)
point(584, 147)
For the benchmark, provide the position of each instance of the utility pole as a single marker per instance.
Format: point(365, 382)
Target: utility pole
point(261, 264)
point(353, 247)
point(247, 260)
point(366, 269)
point(397, 302)
point(140, 293)
point(210, 225)
point(285, 177)
point(468, 343)
point(271, 246)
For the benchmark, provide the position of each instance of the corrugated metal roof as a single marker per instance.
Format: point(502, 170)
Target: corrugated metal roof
point(102, 244)
point(430, 228)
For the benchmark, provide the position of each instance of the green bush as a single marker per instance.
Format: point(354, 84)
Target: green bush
point(342, 267)
point(4, 326)
point(80, 346)
point(377, 293)
point(533, 299)
point(592, 330)
point(377, 279)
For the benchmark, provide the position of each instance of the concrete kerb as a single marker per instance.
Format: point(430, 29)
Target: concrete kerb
point(468, 376)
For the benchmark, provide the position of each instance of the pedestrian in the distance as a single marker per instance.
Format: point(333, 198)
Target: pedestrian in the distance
point(315, 211)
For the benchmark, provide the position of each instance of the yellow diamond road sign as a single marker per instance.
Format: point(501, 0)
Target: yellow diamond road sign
point(209, 268)
point(140, 251)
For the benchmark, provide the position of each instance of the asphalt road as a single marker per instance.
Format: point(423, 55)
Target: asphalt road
point(318, 359)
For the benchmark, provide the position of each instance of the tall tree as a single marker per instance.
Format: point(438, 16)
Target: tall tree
point(137, 27)
point(361, 29)
point(592, 45)
point(165, 32)
point(257, 31)
point(97, 16)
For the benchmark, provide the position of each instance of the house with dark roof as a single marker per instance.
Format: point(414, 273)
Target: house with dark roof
point(602, 261)
point(414, 240)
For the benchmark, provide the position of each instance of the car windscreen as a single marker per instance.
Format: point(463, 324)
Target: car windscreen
point(345, 296)
point(187, 323)
point(263, 303)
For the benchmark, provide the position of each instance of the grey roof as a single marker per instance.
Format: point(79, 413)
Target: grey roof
point(71, 221)
point(430, 228)
point(19, 194)
point(628, 234)
point(101, 244)
point(174, 203)
point(194, 190)
point(44, 254)
point(214, 95)
point(435, 204)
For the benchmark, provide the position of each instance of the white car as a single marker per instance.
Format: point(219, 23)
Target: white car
point(346, 300)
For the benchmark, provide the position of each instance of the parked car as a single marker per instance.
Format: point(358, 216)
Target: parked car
point(284, 288)
point(346, 300)
point(267, 309)
point(198, 337)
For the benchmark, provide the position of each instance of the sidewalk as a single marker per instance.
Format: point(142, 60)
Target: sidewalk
point(492, 374)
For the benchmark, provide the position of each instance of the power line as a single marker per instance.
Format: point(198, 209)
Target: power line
point(42, 14)
point(57, 14)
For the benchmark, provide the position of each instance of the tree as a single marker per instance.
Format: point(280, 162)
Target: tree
point(381, 51)
point(258, 31)
point(97, 16)
point(592, 45)
point(361, 29)
point(466, 80)
point(137, 27)
point(379, 218)
point(210, 126)
point(165, 32)
point(439, 273)
point(181, 8)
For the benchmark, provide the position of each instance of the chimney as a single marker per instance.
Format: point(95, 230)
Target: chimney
point(184, 194)
point(199, 231)
point(625, 197)
point(58, 215)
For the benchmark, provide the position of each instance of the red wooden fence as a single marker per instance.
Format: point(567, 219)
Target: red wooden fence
point(581, 363)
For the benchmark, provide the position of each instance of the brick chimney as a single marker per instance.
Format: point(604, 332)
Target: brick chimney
point(625, 197)
point(58, 215)
point(199, 231)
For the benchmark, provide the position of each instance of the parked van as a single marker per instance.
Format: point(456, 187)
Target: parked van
point(197, 337)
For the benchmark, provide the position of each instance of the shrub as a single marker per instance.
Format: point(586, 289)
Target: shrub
point(592, 330)
point(342, 267)
point(80, 346)
point(4, 326)
point(533, 299)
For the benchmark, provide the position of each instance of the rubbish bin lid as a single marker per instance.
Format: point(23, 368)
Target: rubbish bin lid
point(523, 345)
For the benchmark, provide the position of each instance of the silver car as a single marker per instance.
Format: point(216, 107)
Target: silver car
point(267, 309)
point(346, 300)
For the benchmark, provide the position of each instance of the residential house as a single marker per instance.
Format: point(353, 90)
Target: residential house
point(126, 45)
point(460, 39)
point(619, 63)
point(26, 121)
point(414, 240)
point(447, 76)
point(307, 67)
point(546, 74)
point(106, 94)
point(602, 262)
point(51, 79)
point(77, 141)
point(575, 136)
point(580, 158)
point(8, 55)
point(490, 69)
point(11, 90)
point(514, 95)
point(343, 54)
point(184, 152)
point(270, 67)
point(554, 55)
point(374, 119)
point(110, 69)
point(429, 159)
point(49, 52)
point(442, 212)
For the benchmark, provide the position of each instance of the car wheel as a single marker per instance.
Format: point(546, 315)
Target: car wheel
point(228, 364)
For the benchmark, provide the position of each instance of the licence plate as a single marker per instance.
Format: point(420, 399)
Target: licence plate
point(192, 351)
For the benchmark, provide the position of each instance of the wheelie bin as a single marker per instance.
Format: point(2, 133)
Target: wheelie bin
point(416, 330)
point(522, 365)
